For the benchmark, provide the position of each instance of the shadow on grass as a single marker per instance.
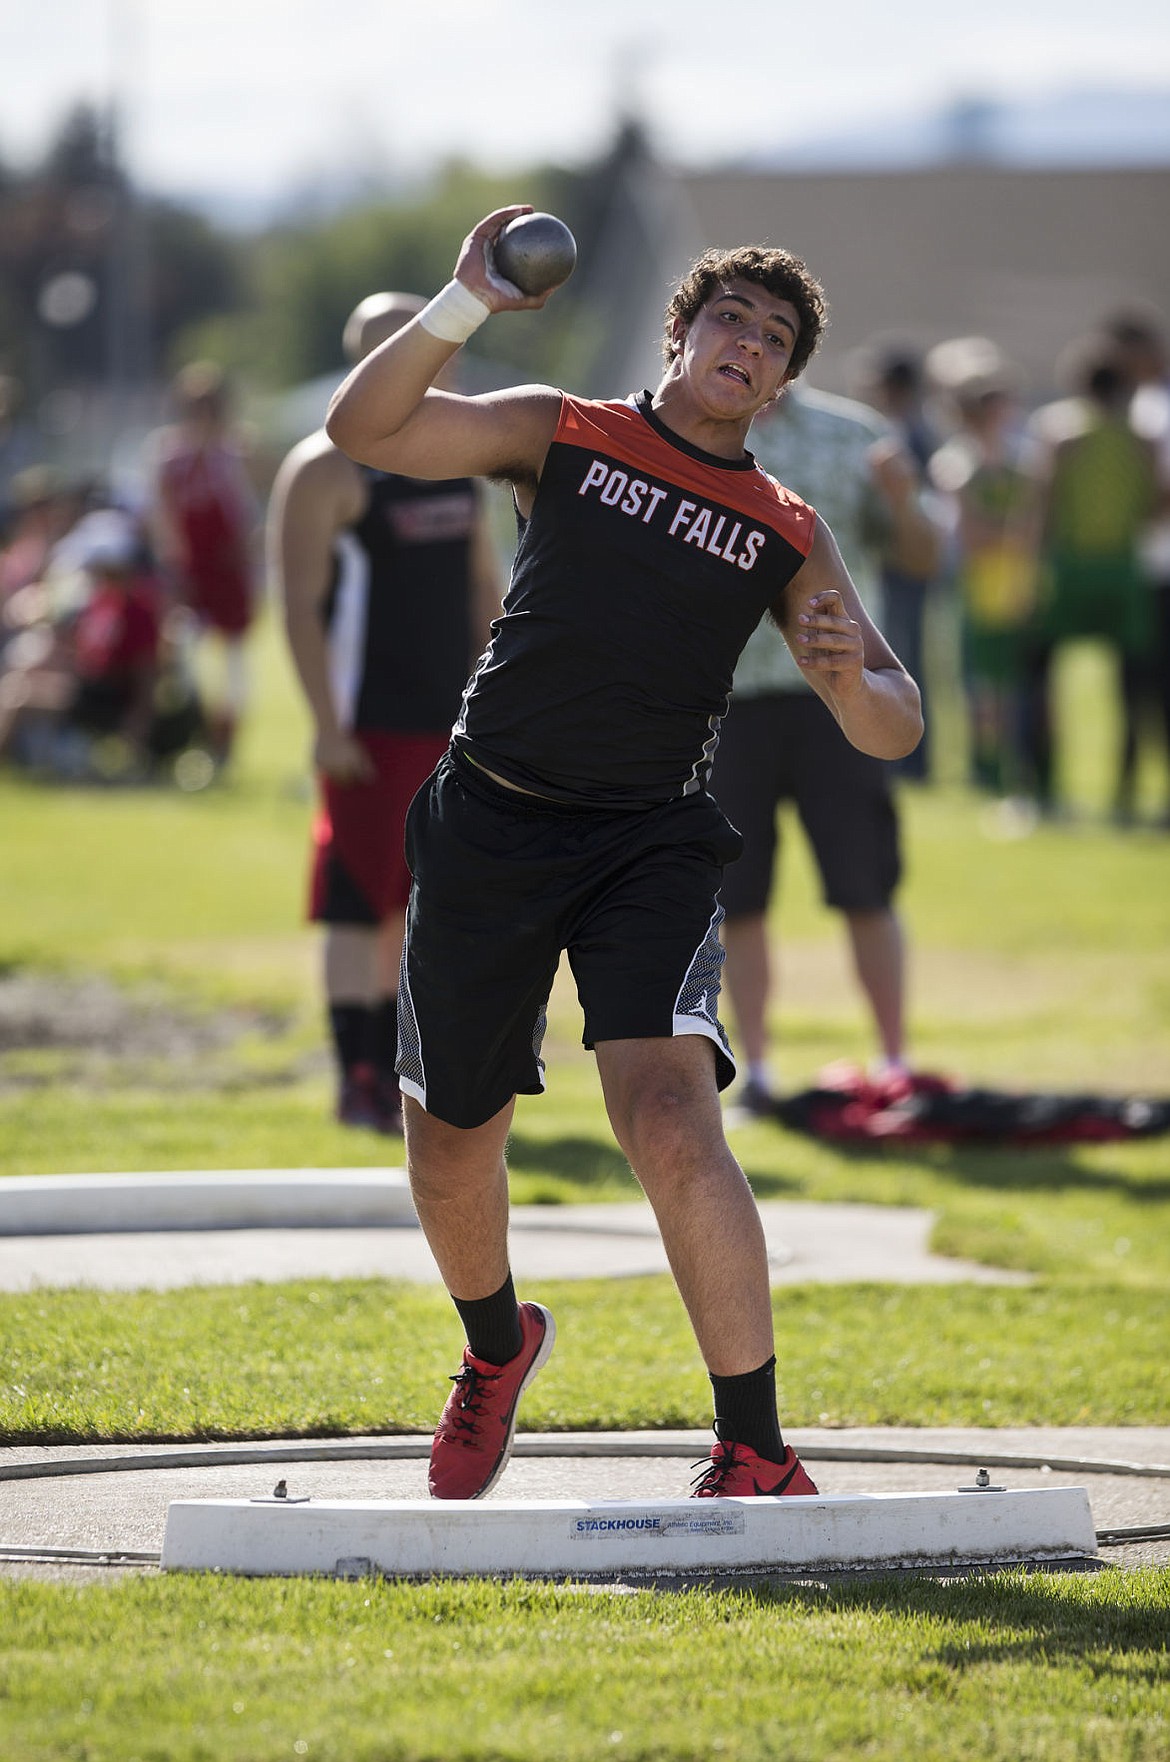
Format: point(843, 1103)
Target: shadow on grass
point(994, 1168)
point(589, 1161)
point(1049, 1170)
point(594, 1163)
point(1024, 1614)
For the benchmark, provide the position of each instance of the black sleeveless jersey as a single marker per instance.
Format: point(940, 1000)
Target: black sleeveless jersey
point(398, 611)
point(641, 572)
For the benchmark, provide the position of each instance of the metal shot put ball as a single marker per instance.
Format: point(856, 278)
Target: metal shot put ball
point(535, 252)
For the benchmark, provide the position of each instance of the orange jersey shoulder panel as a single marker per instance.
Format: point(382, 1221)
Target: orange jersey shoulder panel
point(620, 432)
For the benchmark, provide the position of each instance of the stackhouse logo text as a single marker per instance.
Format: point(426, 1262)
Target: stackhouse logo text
point(593, 1525)
point(660, 1525)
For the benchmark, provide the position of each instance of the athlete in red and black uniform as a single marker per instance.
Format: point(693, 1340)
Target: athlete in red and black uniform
point(631, 531)
point(204, 516)
point(571, 812)
point(389, 584)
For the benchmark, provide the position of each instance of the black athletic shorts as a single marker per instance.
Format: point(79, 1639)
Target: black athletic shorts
point(787, 746)
point(503, 883)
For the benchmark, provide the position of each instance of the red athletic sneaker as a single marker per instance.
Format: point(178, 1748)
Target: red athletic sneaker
point(735, 1472)
point(474, 1438)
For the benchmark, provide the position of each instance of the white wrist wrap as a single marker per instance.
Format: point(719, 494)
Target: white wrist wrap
point(454, 314)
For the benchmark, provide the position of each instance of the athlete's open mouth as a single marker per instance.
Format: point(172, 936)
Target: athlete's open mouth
point(734, 371)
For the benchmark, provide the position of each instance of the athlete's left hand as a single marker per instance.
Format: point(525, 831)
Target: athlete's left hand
point(830, 642)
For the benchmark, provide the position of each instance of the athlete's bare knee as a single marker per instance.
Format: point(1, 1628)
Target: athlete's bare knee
point(663, 1121)
point(660, 1096)
point(660, 1106)
point(440, 1156)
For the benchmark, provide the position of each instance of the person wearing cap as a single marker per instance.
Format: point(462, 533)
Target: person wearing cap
point(116, 637)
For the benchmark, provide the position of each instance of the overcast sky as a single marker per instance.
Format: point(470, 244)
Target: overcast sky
point(261, 96)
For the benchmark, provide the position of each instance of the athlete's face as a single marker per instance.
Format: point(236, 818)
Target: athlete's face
point(737, 349)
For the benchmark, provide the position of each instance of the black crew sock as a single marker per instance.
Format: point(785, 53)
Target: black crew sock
point(384, 1039)
point(492, 1324)
point(745, 1411)
point(349, 1024)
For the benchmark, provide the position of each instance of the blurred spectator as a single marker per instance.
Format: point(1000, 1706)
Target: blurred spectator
point(39, 513)
point(1140, 340)
point(1102, 493)
point(116, 641)
point(890, 378)
point(36, 677)
point(780, 742)
point(205, 523)
point(33, 668)
point(93, 686)
point(991, 472)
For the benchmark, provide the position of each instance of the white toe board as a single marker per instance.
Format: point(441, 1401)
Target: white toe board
point(204, 1199)
point(579, 1538)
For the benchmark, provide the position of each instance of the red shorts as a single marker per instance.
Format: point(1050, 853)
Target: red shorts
point(359, 872)
point(222, 602)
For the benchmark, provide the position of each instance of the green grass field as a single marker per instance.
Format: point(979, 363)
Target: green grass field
point(1013, 1667)
point(330, 1357)
point(1037, 962)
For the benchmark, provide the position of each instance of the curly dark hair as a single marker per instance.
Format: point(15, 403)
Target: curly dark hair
point(783, 275)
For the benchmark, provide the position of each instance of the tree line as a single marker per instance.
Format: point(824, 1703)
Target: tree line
point(99, 279)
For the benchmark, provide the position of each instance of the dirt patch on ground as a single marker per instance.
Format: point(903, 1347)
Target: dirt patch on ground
point(87, 1027)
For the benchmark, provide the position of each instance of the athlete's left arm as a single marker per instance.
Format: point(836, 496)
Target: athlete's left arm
point(845, 657)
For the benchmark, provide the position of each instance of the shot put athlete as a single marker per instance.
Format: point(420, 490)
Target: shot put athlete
point(570, 812)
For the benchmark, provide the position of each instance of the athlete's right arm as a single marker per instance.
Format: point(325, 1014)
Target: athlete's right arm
point(314, 497)
point(387, 414)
